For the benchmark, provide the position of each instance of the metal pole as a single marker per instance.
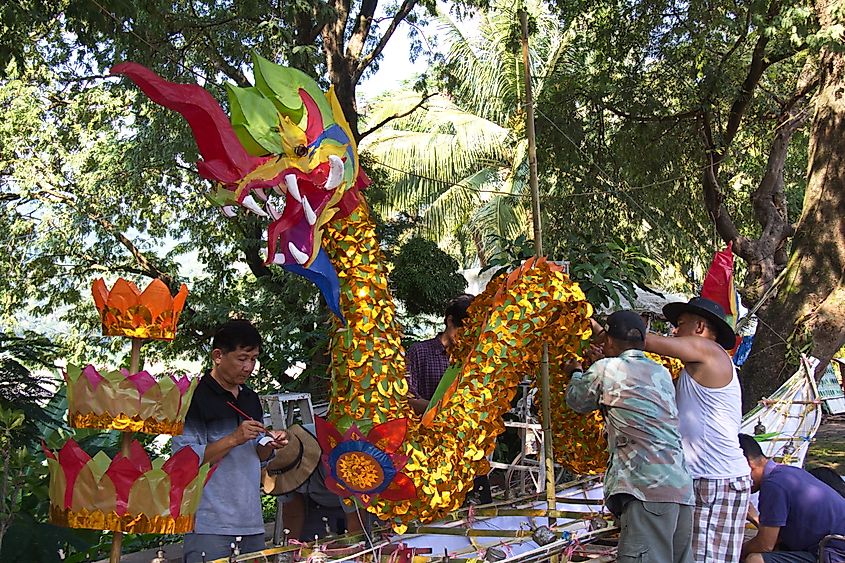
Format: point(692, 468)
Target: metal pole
point(548, 454)
point(125, 441)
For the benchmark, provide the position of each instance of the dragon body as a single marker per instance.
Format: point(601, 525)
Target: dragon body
point(288, 154)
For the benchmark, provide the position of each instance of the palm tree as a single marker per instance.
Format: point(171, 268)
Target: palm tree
point(459, 163)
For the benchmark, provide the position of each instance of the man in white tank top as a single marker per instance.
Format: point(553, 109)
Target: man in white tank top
point(710, 410)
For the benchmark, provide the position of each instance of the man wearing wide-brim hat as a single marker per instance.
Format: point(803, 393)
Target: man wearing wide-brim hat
point(710, 410)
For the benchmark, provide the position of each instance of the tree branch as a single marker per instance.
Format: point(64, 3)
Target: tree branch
point(147, 267)
point(361, 29)
point(680, 116)
point(713, 198)
point(387, 120)
point(759, 63)
point(405, 9)
point(222, 65)
point(251, 231)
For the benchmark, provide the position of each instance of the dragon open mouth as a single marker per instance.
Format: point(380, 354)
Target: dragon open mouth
point(298, 205)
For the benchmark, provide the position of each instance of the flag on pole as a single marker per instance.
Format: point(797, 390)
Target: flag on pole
point(719, 283)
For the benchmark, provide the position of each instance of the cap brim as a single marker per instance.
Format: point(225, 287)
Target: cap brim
point(725, 335)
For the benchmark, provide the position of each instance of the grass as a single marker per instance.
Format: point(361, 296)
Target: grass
point(829, 446)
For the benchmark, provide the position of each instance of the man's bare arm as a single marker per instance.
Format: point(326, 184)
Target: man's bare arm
point(688, 349)
point(763, 542)
point(704, 359)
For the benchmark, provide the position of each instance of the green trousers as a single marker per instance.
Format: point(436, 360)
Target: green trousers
point(654, 532)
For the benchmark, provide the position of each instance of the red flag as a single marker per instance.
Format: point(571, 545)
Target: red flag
point(719, 283)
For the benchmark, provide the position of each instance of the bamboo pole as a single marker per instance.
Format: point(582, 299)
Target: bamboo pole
point(473, 533)
point(580, 500)
point(125, 442)
point(548, 453)
point(535, 512)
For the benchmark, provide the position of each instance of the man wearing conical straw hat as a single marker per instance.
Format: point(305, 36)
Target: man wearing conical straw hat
point(223, 426)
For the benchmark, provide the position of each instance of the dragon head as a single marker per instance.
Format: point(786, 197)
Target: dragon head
point(311, 171)
point(287, 155)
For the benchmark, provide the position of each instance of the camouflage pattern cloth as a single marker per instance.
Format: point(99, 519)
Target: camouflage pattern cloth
point(637, 398)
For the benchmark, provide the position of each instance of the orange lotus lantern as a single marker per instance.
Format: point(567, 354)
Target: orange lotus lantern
point(125, 311)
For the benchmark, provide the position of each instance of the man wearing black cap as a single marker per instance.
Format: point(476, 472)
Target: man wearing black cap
point(647, 485)
point(710, 407)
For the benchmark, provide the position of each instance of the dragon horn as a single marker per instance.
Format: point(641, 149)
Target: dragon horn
point(225, 159)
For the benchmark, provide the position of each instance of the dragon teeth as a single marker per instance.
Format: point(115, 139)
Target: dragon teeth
point(262, 195)
point(279, 259)
point(297, 254)
point(310, 216)
point(335, 172)
point(293, 187)
point(274, 213)
point(228, 211)
point(252, 205)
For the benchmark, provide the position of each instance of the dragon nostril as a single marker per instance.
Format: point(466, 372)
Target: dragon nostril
point(301, 150)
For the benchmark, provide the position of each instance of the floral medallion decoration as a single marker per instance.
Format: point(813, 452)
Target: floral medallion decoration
point(125, 311)
point(136, 402)
point(366, 466)
point(130, 494)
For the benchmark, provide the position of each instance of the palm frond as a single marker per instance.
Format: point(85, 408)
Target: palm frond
point(454, 206)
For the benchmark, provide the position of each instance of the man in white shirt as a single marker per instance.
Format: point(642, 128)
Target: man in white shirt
point(710, 409)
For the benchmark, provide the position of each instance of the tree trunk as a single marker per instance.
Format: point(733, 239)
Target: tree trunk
point(344, 87)
point(807, 310)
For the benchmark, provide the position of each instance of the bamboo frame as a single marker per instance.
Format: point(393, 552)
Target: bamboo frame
point(779, 408)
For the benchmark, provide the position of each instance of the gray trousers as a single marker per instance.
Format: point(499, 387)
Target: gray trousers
point(654, 532)
point(216, 546)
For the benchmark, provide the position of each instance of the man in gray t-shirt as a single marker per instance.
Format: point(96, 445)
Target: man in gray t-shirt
point(222, 426)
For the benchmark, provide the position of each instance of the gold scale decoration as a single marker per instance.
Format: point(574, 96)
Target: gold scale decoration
point(130, 493)
point(501, 343)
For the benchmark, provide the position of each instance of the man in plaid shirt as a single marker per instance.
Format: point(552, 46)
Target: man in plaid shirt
point(426, 361)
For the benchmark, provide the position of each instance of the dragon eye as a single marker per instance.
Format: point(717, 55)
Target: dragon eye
point(300, 150)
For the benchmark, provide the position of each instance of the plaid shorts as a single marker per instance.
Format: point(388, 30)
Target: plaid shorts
point(718, 522)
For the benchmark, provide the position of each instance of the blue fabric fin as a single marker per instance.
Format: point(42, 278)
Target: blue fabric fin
point(321, 273)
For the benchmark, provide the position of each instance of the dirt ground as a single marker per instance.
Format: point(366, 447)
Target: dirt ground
point(829, 447)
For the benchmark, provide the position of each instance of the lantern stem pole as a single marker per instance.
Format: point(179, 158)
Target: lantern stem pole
point(549, 464)
point(125, 441)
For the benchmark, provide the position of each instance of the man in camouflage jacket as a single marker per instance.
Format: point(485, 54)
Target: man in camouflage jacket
point(647, 485)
